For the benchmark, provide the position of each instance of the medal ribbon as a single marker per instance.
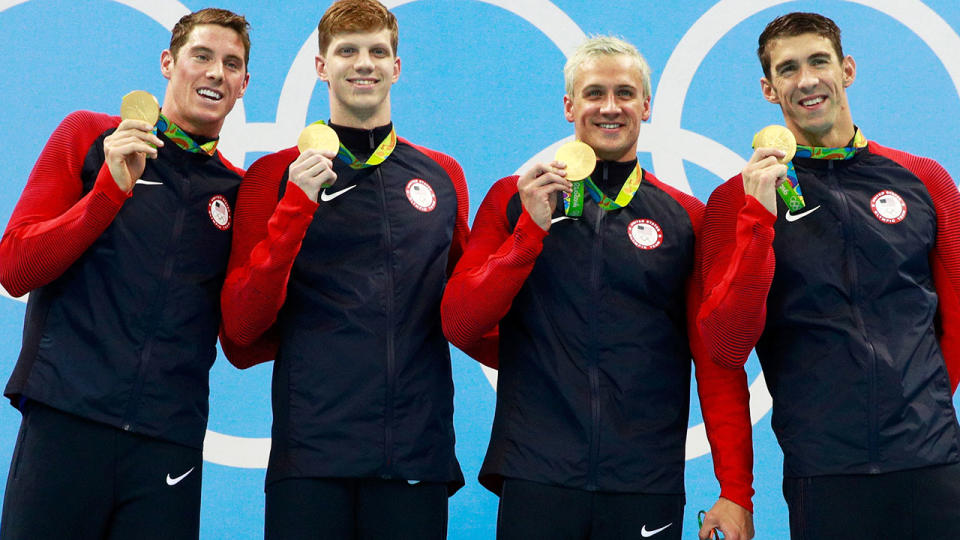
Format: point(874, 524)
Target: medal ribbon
point(183, 139)
point(573, 203)
point(383, 151)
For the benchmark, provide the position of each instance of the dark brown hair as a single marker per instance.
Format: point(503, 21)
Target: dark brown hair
point(221, 17)
point(795, 24)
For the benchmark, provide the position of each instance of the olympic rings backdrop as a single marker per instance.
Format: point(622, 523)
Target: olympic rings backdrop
point(482, 81)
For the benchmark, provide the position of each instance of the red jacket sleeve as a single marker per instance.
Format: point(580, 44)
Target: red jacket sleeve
point(945, 256)
point(724, 394)
point(494, 266)
point(266, 239)
point(54, 223)
point(737, 265)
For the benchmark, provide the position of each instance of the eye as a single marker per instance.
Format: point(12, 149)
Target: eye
point(202, 57)
point(234, 66)
point(593, 92)
point(380, 52)
point(625, 93)
point(347, 51)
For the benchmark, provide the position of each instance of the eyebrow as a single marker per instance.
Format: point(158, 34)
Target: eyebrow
point(202, 49)
point(790, 62)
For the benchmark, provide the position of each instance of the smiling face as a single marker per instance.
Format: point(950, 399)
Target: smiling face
point(359, 68)
point(205, 79)
point(809, 82)
point(607, 105)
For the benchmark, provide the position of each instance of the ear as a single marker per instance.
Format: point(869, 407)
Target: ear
point(166, 63)
point(568, 108)
point(645, 113)
point(321, 66)
point(396, 69)
point(849, 70)
point(246, 81)
point(768, 90)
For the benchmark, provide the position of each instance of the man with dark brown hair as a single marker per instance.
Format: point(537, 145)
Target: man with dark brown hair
point(121, 237)
point(339, 259)
point(850, 295)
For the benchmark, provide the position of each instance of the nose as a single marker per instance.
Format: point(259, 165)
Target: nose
point(808, 78)
point(609, 105)
point(215, 71)
point(364, 61)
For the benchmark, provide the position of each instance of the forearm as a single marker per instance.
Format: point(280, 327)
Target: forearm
point(256, 284)
point(733, 312)
point(487, 279)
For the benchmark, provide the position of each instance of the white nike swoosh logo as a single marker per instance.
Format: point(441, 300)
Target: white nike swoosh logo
point(647, 534)
point(327, 198)
point(561, 218)
point(175, 481)
point(794, 217)
point(149, 182)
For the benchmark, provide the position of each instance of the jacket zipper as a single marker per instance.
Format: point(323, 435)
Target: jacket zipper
point(129, 420)
point(391, 358)
point(853, 280)
point(594, 370)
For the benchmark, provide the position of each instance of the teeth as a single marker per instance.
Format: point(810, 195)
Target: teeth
point(363, 82)
point(609, 126)
point(812, 102)
point(206, 92)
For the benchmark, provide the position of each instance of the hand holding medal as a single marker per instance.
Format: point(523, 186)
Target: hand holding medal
point(312, 171)
point(780, 138)
point(126, 149)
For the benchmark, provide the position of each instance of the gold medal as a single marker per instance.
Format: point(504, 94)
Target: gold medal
point(140, 105)
point(778, 137)
point(579, 158)
point(319, 137)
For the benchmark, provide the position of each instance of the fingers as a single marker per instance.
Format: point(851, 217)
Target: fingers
point(762, 153)
point(549, 177)
point(130, 137)
point(311, 171)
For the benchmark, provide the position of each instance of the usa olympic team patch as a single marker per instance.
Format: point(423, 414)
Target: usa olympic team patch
point(219, 210)
point(888, 207)
point(645, 233)
point(421, 195)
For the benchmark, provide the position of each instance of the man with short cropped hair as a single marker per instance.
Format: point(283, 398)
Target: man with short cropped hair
point(852, 299)
point(121, 237)
point(339, 260)
point(594, 308)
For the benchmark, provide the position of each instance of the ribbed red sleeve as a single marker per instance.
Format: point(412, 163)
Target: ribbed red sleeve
point(945, 256)
point(724, 395)
point(461, 231)
point(266, 239)
point(493, 268)
point(54, 223)
point(737, 265)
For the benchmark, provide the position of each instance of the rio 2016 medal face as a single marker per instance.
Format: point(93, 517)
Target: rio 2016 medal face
point(778, 137)
point(319, 137)
point(140, 105)
point(579, 158)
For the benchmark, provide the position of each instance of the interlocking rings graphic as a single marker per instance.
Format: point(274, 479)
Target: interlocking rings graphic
point(664, 138)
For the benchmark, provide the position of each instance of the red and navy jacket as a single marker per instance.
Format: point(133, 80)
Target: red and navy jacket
point(854, 306)
point(122, 319)
point(595, 342)
point(348, 289)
